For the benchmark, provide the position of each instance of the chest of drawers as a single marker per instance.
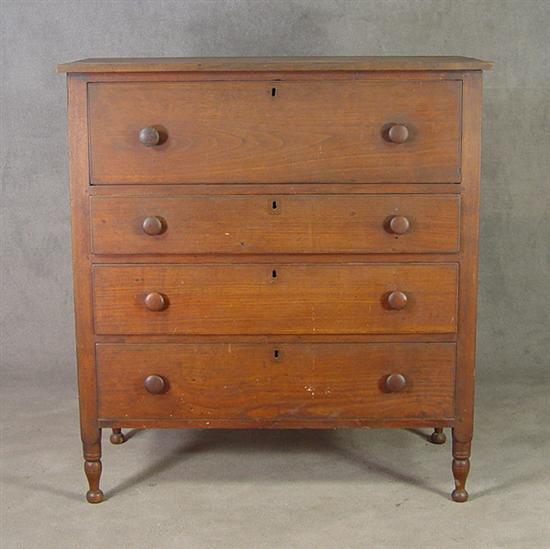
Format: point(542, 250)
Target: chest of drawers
point(275, 243)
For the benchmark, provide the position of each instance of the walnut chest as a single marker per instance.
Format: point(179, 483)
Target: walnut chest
point(275, 242)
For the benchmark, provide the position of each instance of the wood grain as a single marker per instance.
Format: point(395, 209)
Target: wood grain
point(263, 382)
point(238, 132)
point(260, 64)
point(274, 224)
point(273, 299)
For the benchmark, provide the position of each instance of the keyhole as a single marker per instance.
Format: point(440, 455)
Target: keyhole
point(276, 354)
point(274, 205)
point(273, 273)
point(273, 92)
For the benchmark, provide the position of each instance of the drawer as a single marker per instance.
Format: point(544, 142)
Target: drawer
point(275, 132)
point(275, 299)
point(262, 381)
point(275, 224)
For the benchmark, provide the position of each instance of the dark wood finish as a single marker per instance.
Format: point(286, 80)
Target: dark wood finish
point(397, 300)
point(116, 436)
point(93, 474)
point(373, 166)
point(438, 436)
point(238, 132)
point(273, 299)
point(81, 245)
point(395, 383)
point(471, 147)
point(461, 468)
point(154, 384)
point(262, 64)
point(260, 381)
point(267, 224)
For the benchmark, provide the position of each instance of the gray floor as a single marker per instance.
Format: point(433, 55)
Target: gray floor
point(276, 489)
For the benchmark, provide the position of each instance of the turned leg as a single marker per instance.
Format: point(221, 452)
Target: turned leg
point(117, 437)
point(461, 468)
point(438, 436)
point(92, 468)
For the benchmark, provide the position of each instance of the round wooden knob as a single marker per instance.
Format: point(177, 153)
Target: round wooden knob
point(397, 300)
point(399, 224)
point(155, 301)
point(152, 225)
point(395, 383)
point(398, 134)
point(149, 136)
point(154, 384)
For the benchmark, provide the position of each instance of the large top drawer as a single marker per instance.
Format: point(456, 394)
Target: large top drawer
point(275, 132)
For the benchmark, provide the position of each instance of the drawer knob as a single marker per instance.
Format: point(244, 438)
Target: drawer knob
point(149, 136)
point(395, 383)
point(397, 300)
point(398, 133)
point(155, 302)
point(152, 225)
point(399, 224)
point(154, 384)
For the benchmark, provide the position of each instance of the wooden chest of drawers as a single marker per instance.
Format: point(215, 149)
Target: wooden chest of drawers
point(280, 242)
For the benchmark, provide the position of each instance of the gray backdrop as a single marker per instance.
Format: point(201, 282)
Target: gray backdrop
point(36, 303)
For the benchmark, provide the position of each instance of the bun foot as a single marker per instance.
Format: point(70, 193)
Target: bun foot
point(117, 437)
point(438, 436)
point(94, 496)
point(460, 495)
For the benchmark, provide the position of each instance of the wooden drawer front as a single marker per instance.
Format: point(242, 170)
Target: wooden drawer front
point(275, 224)
point(244, 381)
point(275, 132)
point(274, 299)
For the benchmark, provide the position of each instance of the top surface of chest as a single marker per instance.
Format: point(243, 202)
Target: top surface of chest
point(260, 64)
